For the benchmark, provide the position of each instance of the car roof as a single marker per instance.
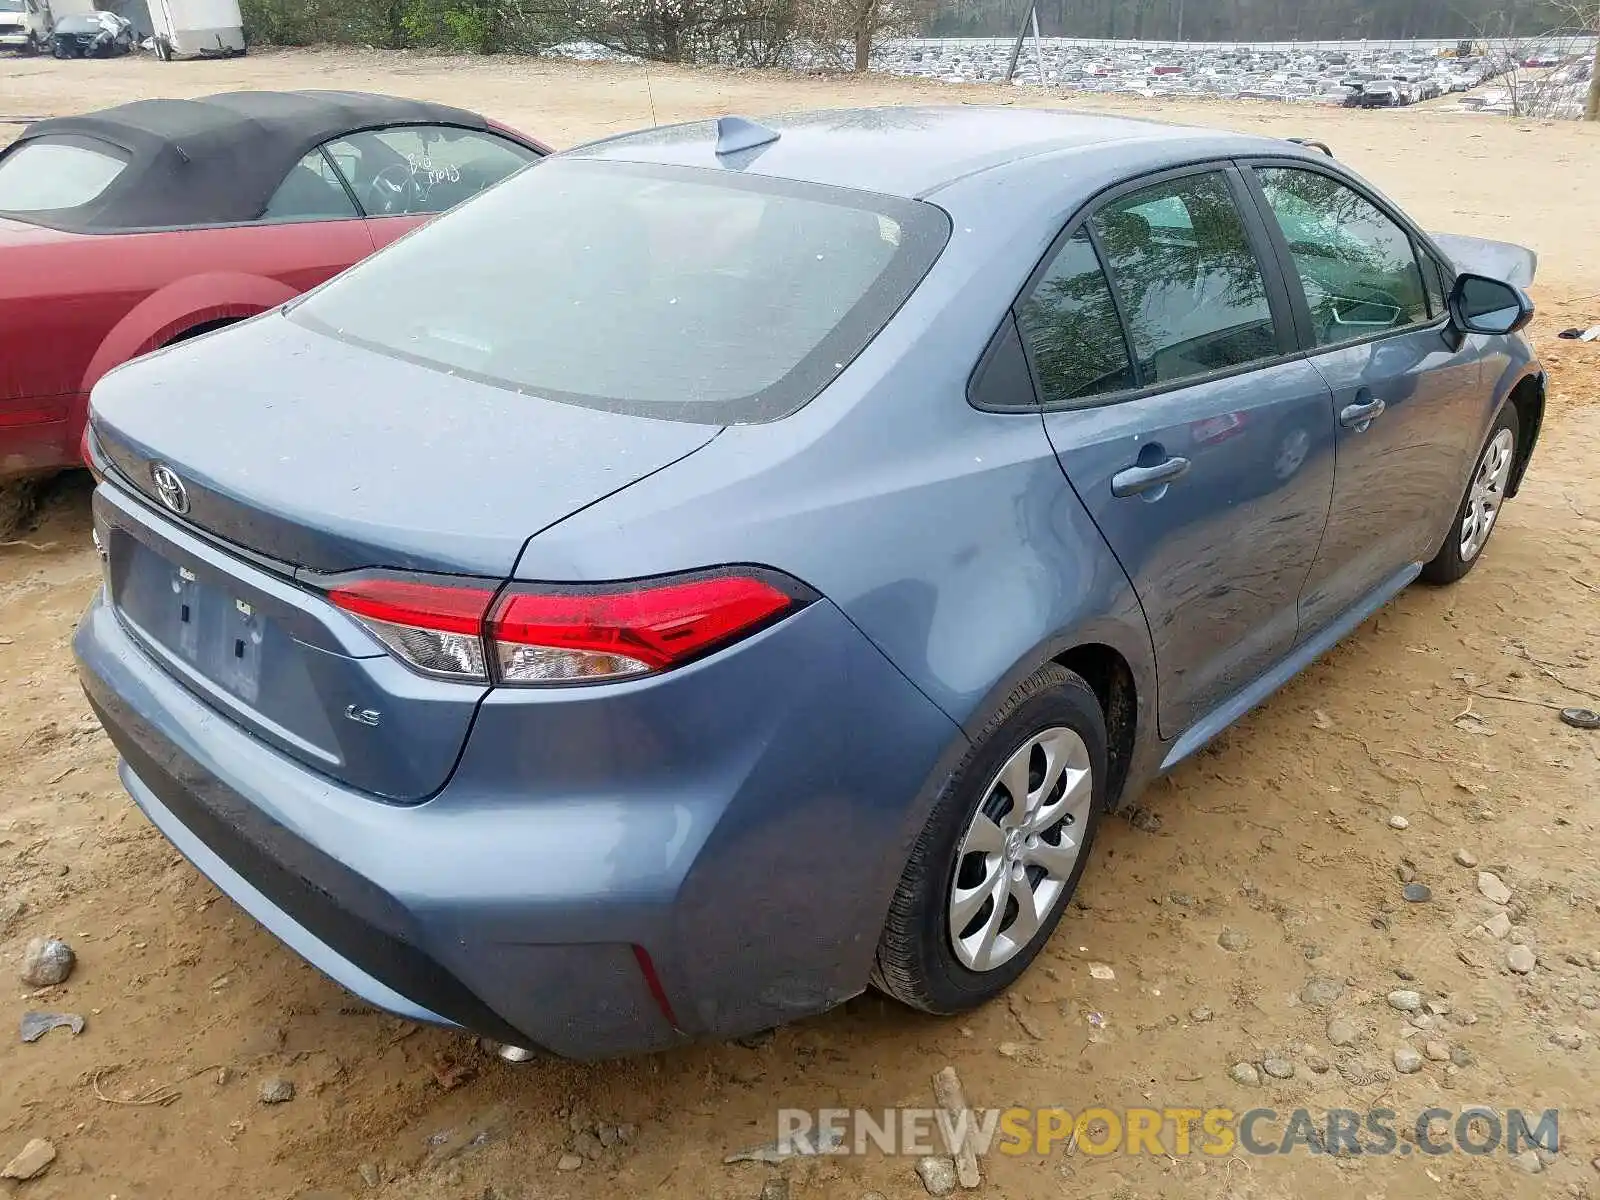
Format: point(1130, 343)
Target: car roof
point(218, 159)
point(915, 151)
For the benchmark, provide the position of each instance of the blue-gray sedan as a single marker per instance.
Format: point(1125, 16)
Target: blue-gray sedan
point(727, 565)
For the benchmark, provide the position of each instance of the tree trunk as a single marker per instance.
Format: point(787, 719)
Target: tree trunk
point(864, 30)
point(1591, 110)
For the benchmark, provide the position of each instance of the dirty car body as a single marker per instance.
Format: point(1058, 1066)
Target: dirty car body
point(364, 646)
point(130, 228)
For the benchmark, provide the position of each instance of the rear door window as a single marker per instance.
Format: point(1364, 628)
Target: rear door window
point(53, 174)
point(1192, 290)
point(674, 292)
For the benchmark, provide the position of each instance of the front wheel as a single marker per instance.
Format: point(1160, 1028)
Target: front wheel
point(1002, 852)
point(1479, 511)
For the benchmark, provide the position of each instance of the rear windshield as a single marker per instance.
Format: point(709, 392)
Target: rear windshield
point(672, 292)
point(48, 175)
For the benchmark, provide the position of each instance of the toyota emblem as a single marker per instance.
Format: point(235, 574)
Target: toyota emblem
point(170, 488)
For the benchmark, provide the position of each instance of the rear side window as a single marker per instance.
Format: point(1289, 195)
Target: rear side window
point(1191, 287)
point(57, 173)
point(1070, 324)
point(310, 192)
point(673, 292)
point(411, 169)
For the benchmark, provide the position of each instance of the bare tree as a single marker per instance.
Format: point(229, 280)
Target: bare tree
point(1586, 16)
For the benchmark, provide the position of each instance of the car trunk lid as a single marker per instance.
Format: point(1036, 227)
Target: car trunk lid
point(337, 458)
point(335, 461)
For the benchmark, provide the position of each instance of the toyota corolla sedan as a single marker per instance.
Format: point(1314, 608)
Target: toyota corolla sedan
point(736, 563)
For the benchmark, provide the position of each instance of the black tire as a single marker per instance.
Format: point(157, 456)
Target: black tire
point(916, 961)
point(1448, 565)
point(57, 50)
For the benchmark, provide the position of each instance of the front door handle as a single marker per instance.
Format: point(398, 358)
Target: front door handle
point(1131, 481)
point(1359, 416)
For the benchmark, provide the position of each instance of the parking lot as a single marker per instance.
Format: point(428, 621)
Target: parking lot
point(1248, 902)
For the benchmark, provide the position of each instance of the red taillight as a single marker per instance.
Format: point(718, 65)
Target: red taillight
point(435, 628)
point(86, 452)
point(541, 635)
point(552, 636)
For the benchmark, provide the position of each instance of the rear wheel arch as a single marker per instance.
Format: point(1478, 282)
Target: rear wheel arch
point(1111, 678)
point(204, 327)
point(1528, 399)
point(1109, 656)
point(194, 304)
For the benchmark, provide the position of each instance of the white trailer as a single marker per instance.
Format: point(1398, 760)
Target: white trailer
point(197, 28)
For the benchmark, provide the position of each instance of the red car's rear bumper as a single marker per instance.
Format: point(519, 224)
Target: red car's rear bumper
point(40, 435)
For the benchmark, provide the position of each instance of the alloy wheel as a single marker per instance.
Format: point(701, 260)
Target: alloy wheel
point(1020, 849)
point(1487, 493)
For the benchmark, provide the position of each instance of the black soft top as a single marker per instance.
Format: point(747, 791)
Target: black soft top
point(216, 160)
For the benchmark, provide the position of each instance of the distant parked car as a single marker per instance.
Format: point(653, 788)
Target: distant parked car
point(731, 563)
point(24, 25)
point(1380, 93)
point(149, 223)
point(92, 35)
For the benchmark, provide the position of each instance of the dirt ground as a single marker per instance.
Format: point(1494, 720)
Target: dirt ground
point(1280, 832)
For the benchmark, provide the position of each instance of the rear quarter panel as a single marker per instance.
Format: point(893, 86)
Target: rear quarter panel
point(947, 535)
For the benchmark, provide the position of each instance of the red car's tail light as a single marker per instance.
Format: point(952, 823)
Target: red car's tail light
point(559, 635)
point(537, 635)
point(435, 628)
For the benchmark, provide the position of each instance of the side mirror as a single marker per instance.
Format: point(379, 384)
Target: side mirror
point(1479, 304)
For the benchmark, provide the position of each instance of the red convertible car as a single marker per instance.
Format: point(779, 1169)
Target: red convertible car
point(128, 229)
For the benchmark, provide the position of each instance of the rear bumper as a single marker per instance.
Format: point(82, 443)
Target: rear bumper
point(742, 820)
point(38, 436)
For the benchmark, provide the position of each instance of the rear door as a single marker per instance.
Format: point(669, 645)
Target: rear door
point(1188, 422)
point(1370, 301)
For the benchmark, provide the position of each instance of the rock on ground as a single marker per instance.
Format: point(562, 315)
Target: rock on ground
point(1521, 960)
point(47, 962)
point(35, 1157)
point(1466, 858)
point(1321, 990)
point(938, 1175)
point(1407, 1061)
point(1278, 1068)
point(569, 1162)
point(1493, 888)
point(1234, 940)
point(275, 1089)
point(1244, 1073)
point(1342, 1031)
point(1405, 1000)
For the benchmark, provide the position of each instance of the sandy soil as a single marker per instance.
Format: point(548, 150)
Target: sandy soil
point(1280, 831)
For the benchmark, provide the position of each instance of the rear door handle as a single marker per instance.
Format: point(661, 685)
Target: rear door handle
point(1359, 416)
point(1131, 481)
